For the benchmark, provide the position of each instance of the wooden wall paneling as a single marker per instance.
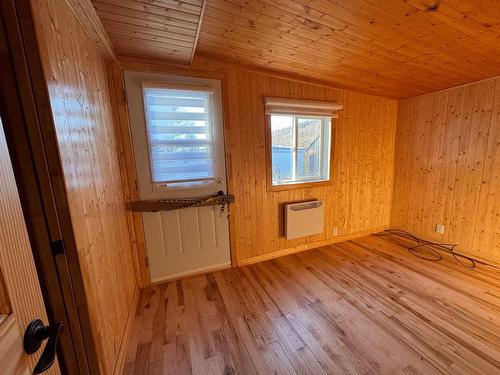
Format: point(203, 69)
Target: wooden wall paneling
point(231, 140)
point(470, 162)
point(127, 168)
point(447, 167)
point(30, 137)
point(80, 100)
point(489, 196)
point(358, 201)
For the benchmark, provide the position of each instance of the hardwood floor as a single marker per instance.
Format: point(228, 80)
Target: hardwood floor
point(359, 307)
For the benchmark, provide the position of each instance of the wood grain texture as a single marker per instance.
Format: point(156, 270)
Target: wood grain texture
point(12, 360)
point(91, 23)
point(166, 29)
point(389, 48)
point(120, 361)
point(363, 140)
point(366, 306)
point(18, 268)
point(5, 307)
point(448, 167)
point(80, 99)
point(127, 165)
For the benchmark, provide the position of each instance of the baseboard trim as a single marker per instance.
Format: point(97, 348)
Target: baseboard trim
point(122, 353)
point(198, 271)
point(309, 246)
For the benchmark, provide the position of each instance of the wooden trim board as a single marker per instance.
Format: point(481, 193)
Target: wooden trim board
point(199, 271)
point(198, 30)
point(122, 353)
point(86, 15)
point(310, 246)
point(126, 160)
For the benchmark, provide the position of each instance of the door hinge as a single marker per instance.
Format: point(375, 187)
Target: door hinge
point(147, 262)
point(57, 247)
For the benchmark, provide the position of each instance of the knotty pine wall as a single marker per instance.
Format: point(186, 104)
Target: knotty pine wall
point(359, 200)
point(80, 100)
point(448, 167)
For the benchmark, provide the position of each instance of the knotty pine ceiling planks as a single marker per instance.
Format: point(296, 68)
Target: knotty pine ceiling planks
point(393, 48)
point(161, 29)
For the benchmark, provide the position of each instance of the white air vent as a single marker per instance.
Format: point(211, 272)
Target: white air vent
point(303, 219)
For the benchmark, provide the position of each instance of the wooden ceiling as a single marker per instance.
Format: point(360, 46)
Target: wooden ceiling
point(392, 48)
point(164, 29)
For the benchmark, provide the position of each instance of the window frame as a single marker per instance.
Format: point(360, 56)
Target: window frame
point(298, 184)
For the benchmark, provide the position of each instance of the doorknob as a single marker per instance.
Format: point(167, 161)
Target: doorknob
point(35, 334)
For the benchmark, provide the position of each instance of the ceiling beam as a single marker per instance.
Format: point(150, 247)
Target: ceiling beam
point(195, 44)
point(87, 16)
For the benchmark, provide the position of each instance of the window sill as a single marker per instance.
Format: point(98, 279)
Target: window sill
point(299, 185)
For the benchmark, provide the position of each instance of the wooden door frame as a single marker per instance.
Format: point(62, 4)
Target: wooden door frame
point(32, 142)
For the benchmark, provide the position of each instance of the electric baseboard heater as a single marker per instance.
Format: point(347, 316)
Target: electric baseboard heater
point(303, 219)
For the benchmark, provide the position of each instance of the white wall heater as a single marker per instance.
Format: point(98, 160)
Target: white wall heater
point(303, 219)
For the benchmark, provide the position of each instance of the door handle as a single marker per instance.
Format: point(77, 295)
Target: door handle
point(35, 334)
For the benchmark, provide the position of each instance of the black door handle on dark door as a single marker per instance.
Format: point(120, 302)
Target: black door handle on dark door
point(35, 334)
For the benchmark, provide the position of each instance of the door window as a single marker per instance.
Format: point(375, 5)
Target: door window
point(180, 134)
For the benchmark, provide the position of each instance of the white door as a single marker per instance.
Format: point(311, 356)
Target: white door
point(177, 132)
point(20, 295)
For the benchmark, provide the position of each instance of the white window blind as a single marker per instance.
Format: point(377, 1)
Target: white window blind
point(179, 131)
point(282, 106)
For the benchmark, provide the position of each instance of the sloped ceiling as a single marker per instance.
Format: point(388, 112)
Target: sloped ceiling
point(163, 29)
point(393, 48)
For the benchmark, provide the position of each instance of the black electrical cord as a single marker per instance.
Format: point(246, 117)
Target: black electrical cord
point(433, 246)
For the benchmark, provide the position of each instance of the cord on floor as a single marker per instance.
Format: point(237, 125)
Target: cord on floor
point(433, 246)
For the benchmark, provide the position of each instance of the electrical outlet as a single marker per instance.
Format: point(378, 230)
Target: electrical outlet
point(335, 231)
point(440, 228)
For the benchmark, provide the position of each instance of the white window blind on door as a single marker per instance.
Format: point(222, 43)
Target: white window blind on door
point(179, 128)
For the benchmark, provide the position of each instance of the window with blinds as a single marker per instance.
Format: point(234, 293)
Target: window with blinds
point(180, 135)
point(300, 138)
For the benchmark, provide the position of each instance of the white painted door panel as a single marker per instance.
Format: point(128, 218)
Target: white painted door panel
point(188, 240)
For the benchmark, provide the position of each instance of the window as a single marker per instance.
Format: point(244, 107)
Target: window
point(300, 137)
point(179, 127)
point(300, 149)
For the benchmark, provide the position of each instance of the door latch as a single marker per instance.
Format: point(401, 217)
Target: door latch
point(35, 334)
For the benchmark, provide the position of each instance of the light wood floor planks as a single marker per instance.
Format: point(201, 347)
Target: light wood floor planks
point(359, 307)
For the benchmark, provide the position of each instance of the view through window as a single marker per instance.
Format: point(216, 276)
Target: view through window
point(300, 149)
